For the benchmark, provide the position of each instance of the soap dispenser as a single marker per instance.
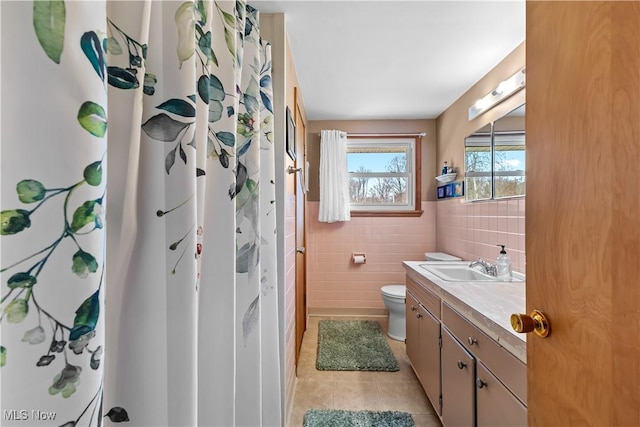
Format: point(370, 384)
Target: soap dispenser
point(503, 265)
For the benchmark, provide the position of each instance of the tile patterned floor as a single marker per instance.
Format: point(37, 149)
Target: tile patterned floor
point(358, 390)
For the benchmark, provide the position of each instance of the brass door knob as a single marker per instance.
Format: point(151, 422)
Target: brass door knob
point(536, 322)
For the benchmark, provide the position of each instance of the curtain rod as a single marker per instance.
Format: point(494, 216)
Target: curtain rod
point(383, 134)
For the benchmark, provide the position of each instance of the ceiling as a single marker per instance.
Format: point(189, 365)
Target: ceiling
point(394, 59)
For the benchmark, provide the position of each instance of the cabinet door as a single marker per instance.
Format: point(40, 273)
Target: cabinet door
point(458, 376)
point(496, 405)
point(429, 365)
point(413, 332)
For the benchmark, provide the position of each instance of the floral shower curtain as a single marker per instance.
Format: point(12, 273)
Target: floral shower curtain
point(138, 217)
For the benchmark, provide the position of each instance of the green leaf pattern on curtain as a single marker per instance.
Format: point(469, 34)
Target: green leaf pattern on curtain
point(49, 19)
point(127, 77)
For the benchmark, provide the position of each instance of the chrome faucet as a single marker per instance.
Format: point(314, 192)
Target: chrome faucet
point(487, 268)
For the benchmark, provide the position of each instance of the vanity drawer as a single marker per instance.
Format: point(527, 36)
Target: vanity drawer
point(508, 368)
point(427, 298)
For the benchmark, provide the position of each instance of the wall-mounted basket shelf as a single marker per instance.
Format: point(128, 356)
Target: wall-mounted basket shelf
point(446, 177)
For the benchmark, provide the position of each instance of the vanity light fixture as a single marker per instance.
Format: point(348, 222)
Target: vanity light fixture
point(504, 90)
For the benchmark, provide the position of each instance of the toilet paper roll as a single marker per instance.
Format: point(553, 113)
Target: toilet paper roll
point(359, 259)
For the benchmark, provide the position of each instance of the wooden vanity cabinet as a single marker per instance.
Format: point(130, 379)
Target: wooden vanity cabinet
point(470, 379)
point(458, 383)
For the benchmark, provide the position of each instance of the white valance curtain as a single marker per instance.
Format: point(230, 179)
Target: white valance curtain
point(137, 215)
point(334, 177)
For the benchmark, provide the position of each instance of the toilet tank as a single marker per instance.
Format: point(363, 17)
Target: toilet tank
point(440, 256)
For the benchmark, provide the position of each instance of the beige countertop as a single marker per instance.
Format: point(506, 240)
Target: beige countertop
point(487, 305)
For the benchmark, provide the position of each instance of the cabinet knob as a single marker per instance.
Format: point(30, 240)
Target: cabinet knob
point(461, 364)
point(472, 340)
point(480, 383)
point(536, 322)
point(413, 308)
point(418, 315)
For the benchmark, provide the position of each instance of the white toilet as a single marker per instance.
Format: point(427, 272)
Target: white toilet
point(394, 297)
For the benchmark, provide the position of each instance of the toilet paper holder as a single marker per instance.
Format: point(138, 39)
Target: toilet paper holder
point(359, 258)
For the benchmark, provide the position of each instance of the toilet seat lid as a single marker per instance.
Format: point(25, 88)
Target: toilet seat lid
point(398, 291)
point(440, 256)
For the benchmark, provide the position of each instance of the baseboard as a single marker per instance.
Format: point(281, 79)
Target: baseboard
point(292, 393)
point(347, 312)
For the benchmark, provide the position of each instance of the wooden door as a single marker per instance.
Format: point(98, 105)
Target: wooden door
point(583, 212)
point(301, 259)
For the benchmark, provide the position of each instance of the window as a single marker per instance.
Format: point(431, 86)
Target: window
point(382, 173)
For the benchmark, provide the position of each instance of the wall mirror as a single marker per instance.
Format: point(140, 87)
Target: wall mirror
point(495, 159)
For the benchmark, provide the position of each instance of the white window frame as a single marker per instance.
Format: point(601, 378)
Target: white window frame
point(409, 144)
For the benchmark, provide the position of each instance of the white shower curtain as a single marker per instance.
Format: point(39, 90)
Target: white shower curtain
point(138, 225)
point(334, 178)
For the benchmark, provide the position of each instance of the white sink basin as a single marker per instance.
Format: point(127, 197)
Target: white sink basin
point(461, 273)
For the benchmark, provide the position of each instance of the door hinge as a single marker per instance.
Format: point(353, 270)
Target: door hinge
point(440, 403)
point(440, 342)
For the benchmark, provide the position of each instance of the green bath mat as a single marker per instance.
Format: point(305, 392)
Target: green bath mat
point(353, 345)
point(334, 418)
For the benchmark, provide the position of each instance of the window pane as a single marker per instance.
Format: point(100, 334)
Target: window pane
point(377, 159)
point(477, 160)
point(507, 186)
point(477, 187)
point(378, 190)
